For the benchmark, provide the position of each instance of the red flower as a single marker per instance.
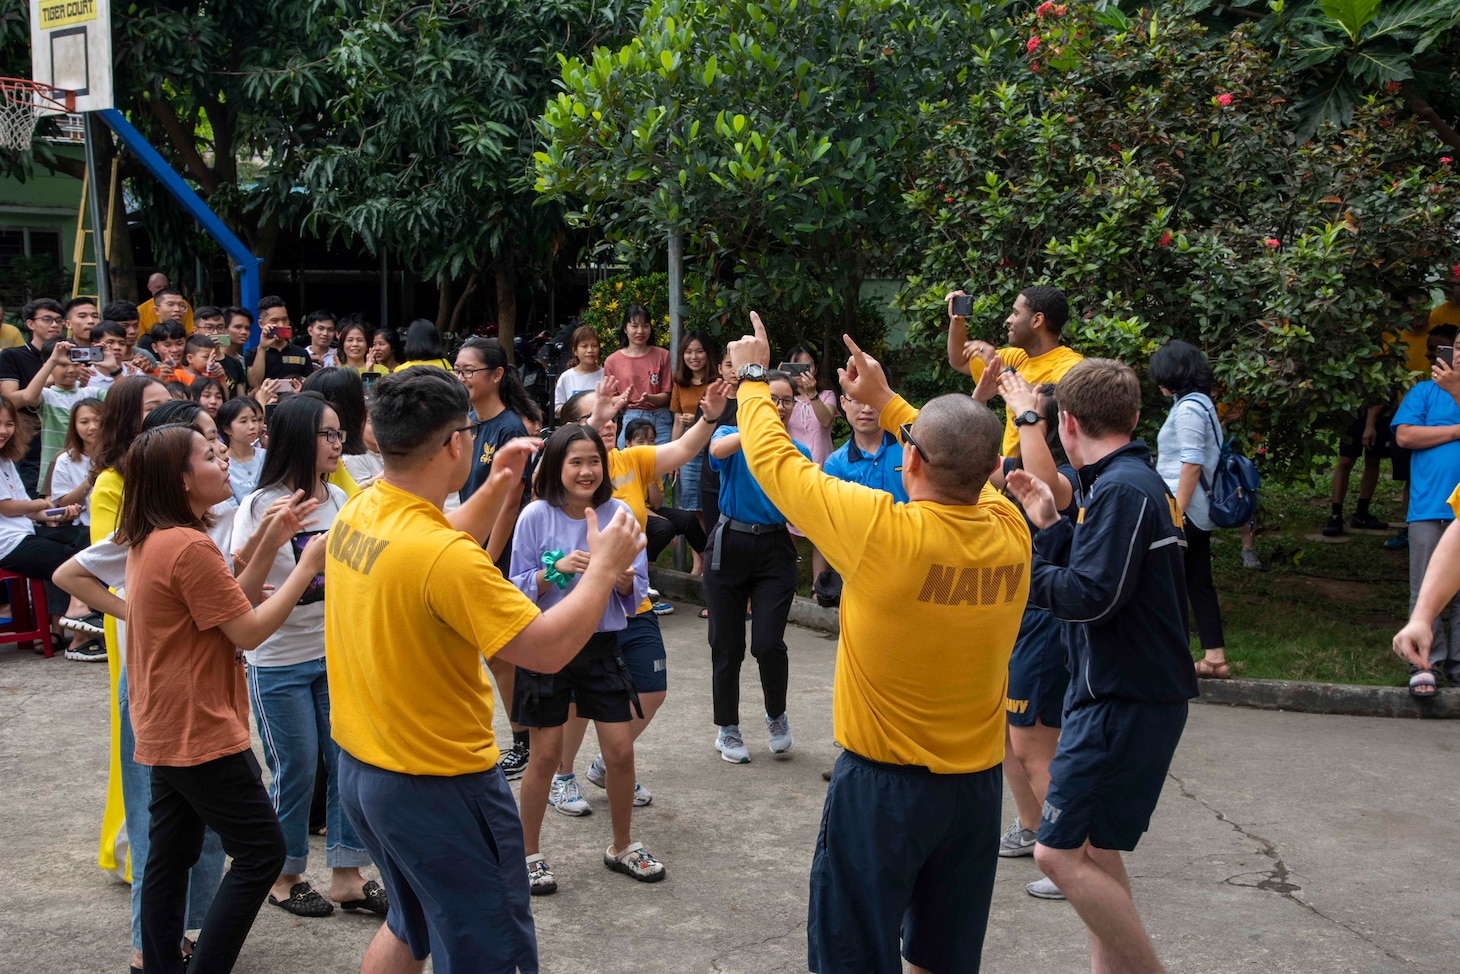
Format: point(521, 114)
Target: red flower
point(1445, 160)
point(1165, 240)
point(1392, 86)
point(1273, 242)
point(1044, 8)
point(1033, 44)
point(1069, 118)
point(1224, 99)
point(1033, 65)
point(940, 186)
point(1455, 272)
point(947, 199)
point(1059, 11)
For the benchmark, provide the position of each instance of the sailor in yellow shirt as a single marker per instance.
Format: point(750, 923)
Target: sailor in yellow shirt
point(412, 604)
point(1034, 349)
point(933, 593)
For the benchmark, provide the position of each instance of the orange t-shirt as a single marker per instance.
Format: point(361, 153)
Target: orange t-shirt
point(686, 399)
point(185, 680)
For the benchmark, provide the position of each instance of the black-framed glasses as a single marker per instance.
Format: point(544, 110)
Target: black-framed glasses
point(470, 429)
point(783, 400)
point(334, 436)
point(467, 373)
point(905, 434)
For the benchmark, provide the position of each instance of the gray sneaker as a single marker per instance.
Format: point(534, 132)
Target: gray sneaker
point(1044, 889)
point(1017, 841)
point(598, 775)
point(731, 745)
point(779, 731)
point(567, 797)
point(1250, 559)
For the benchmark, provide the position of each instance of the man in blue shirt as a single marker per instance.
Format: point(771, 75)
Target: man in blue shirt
point(1428, 423)
point(871, 457)
point(749, 557)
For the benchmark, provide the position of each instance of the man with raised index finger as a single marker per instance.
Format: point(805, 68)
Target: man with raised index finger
point(934, 590)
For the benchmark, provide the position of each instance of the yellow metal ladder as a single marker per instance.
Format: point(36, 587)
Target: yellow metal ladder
point(83, 231)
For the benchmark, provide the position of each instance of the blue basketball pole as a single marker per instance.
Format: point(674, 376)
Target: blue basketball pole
point(244, 262)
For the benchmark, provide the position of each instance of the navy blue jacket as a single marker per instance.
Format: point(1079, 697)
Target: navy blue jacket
point(1117, 577)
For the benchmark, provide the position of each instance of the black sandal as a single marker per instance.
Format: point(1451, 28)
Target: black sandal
point(304, 901)
point(375, 900)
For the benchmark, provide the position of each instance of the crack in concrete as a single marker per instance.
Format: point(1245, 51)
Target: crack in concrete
point(718, 958)
point(1277, 878)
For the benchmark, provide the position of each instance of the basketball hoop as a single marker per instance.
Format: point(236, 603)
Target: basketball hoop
point(22, 103)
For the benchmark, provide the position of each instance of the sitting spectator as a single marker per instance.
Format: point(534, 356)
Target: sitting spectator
point(239, 423)
point(1428, 424)
point(70, 474)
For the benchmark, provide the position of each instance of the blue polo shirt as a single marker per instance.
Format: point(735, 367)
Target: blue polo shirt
point(1434, 472)
point(740, 496)
point(881, 470)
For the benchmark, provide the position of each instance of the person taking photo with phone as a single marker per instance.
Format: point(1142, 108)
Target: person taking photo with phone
point(277, 357)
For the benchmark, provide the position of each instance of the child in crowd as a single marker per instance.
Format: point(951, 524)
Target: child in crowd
point(70, 478)
point(692, 377)
point(199, 361)
point(665, 523)
point(811, 420)
point(642, 370)
point(239, 422)
point(53, 391)
point(286, 672)
point(208, 393)
point(549, 550)
point(169, 340)
point(585, 369)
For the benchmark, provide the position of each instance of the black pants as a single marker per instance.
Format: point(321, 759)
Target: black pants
point(41, 554)
point(1199, 587)
point(228, 796)
point(670, 524)
point(761, 568)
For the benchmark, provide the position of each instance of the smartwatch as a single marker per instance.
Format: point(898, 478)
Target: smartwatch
point(753, 373)
point(1027, 418)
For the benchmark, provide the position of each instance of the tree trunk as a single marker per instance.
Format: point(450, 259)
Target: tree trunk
point(1426, 112)
point(506, 306)
point(461, 302)
point(121, 266)
point(443, 303)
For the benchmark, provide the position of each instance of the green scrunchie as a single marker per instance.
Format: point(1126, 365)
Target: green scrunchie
point(550, 562)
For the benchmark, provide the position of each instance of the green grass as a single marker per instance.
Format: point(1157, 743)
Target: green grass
point(1320, 611)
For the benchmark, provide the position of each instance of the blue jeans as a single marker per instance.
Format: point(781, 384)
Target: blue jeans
point(136, 798)
point(291, 705)
point(662, 419)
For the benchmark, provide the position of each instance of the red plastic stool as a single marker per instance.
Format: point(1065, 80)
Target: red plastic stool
point(29, 620)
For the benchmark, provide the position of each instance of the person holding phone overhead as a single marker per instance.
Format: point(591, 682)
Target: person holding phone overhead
point(277, 357)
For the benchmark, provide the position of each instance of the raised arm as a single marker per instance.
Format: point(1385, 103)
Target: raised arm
point(30, 396)
point(478, 516)
point(676, 453)
point(957, 338)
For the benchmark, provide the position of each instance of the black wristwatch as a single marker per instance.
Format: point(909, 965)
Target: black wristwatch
point(753, 373)
point(1027, 418)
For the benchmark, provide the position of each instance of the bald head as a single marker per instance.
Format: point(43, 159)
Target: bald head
point(157, 282)
point(960, 438)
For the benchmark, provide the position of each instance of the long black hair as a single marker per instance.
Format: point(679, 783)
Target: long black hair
point(174, 412)
point(294, 443)
point(229, 411)
point(513, 395)
point(422, 342)
point(344, 390)
point(548, 483)
point(682, 375)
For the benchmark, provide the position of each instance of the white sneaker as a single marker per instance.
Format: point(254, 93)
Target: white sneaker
point(598, 775)
point(732, 746)
point(1017, 841)
point(653, 592)
point(1044, 889)
point(567, 797)
point(779, 731)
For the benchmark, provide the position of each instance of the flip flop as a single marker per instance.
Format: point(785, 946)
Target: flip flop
point(1422, 685)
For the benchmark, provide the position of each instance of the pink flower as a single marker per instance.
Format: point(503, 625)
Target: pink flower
point(1059, 11)
point(1033, 44)
point(1165, 240)
point(1273, 242)
point(1445, 160)
point(1044, 8)
point(1069, 118)
point(947, 199)
point(1033, 65)
point(1224, 99)
point(1455, 272)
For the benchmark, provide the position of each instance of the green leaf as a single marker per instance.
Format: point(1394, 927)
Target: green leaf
point(666, 58)
point(1371, 66)
point(709, 73)
point(1351, 15)
point(1333, 101)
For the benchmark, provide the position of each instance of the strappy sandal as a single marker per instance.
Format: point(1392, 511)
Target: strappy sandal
point(1422, 685)
point(1213, 671)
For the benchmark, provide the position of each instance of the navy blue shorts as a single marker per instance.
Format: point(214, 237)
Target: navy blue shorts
point(450, 855)
point(642, 646)
point(904, 857)
point(1038, 673)
point(1107, 773)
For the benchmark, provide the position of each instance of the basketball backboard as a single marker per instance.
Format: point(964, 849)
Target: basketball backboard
point(71, 49)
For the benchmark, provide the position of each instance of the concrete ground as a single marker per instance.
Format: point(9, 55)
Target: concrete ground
point(1283, 843)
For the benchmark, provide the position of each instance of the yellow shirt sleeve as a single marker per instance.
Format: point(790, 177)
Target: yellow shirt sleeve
point(1012, 358)
point(1454, 501)
point(106, 504)
point(819, 505)
point(341, 478)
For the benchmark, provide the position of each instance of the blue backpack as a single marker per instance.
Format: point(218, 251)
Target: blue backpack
point(1232, 492)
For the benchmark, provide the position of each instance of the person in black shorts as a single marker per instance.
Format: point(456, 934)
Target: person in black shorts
point(1367, 436)
point(1115, 576)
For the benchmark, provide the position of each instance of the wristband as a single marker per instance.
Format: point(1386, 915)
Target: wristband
point(550, 562)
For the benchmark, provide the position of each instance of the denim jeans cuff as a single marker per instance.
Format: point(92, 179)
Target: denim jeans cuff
point(343, 857)
point(294, 866)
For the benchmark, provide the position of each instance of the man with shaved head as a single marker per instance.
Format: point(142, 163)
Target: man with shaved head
point(160, 306)
point(933, 593)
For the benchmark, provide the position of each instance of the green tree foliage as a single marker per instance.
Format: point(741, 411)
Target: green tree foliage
point(435, 129)
point(1147, 168)
point(774, 134)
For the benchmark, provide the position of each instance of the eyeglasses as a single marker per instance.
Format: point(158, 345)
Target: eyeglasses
point(47, 319)
point(461, 373)
point(334, 436)
point(905, 433)
point(470, 429)
point(783, 400)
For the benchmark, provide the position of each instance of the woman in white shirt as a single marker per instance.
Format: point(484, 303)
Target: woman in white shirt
point(286, 673)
